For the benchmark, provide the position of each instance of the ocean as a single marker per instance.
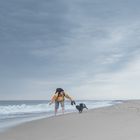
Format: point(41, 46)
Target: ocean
point(16, 112)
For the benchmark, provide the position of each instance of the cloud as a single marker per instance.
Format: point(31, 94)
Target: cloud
point(123, 84)
point(80, 45)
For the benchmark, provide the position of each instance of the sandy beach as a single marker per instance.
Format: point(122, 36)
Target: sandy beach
point(121, 121)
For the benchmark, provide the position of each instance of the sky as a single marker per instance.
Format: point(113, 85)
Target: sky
point(90, 48)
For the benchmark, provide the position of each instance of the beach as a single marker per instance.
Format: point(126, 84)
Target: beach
point(120, 121)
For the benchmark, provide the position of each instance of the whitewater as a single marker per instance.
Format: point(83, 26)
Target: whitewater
point(16, 112)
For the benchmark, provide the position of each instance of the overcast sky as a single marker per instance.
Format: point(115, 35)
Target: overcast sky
point(88, 47)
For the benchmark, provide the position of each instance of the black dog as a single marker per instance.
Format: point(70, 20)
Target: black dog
point(80, 107)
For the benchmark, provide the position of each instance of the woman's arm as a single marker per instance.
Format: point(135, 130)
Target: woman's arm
point(53, 99)
point(68, 97)
point(72, 101)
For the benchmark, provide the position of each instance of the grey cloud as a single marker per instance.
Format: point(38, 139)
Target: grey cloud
point(57, 41)
point(28, 20)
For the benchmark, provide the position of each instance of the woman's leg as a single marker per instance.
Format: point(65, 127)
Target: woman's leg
point(55, 111)
point(63, 108)
point(56, 107)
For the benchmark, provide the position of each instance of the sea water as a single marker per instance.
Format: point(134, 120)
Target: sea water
point(16, 112)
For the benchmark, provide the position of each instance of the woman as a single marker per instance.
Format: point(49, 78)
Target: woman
point(59, 98)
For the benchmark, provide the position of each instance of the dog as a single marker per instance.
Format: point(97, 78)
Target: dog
point(80, 107)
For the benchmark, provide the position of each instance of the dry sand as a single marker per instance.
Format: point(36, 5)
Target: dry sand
point(119, 122)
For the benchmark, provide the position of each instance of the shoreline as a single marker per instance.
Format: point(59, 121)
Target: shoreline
point(120, 121)
point(53, 116)
point(59, 115)
point(94, 105)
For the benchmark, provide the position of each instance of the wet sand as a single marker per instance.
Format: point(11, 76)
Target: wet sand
point(118, 122)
